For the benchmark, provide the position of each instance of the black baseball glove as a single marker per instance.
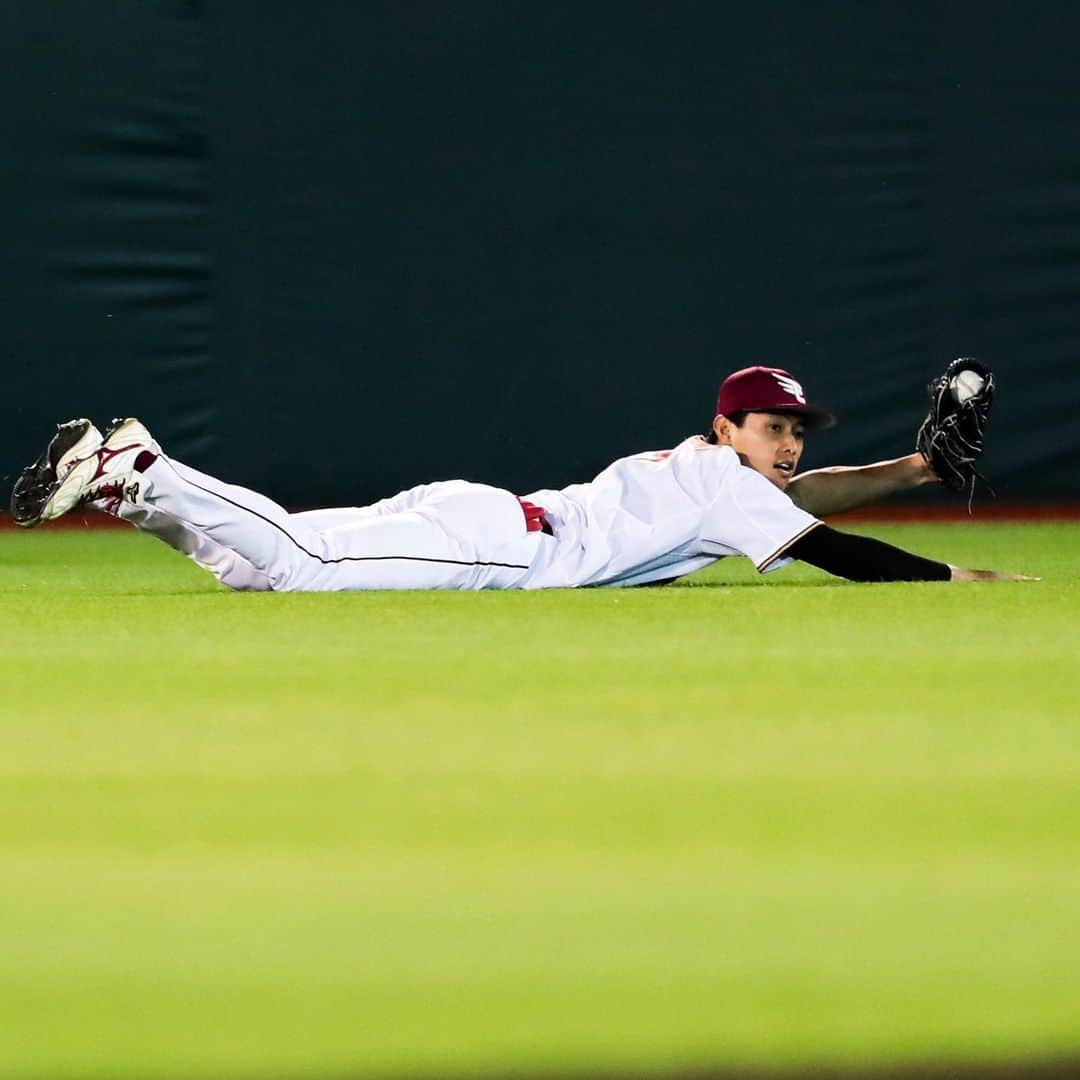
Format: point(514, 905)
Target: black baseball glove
point(951, 436)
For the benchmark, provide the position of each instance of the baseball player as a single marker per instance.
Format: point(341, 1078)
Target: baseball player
point(646, 519)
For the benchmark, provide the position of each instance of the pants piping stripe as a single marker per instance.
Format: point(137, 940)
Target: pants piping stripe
point(344, 558)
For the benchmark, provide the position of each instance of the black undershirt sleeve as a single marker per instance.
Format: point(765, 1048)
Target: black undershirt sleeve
point(860, 558)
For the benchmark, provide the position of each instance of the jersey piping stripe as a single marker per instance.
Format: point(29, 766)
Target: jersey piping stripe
point(783, 547)
point(344, 558)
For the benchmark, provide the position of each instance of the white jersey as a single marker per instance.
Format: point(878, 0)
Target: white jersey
point(660, 515)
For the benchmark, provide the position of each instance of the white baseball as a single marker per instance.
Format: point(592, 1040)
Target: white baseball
point(966, 384)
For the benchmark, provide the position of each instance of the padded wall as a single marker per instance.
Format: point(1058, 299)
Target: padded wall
point(331, 250)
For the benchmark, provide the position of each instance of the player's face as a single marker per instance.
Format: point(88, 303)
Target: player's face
point(770, 443)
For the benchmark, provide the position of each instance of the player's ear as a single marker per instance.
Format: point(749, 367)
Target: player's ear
point(721, 426)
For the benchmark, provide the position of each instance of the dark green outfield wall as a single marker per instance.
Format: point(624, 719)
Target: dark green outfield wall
point(334, 249)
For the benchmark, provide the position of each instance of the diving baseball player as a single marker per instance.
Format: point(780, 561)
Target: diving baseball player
point(646, 519)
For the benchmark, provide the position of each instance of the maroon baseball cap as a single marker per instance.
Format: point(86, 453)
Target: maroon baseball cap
point(768, 389)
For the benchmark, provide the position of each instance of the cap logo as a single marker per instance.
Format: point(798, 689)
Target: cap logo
point(790, 386)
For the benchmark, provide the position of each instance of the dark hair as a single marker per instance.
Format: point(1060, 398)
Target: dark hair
point(738, 418)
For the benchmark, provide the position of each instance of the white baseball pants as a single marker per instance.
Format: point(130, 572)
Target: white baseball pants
point(451, 535)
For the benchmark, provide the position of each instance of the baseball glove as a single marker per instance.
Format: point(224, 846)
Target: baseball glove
point(951, 436)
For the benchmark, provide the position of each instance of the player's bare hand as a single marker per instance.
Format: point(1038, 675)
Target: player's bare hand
point(959, 573)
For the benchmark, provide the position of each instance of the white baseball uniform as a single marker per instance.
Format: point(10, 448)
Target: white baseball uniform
point(646, 518)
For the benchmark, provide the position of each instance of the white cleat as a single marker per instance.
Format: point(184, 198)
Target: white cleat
point(34, 498)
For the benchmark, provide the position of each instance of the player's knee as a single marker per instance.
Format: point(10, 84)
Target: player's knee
point(287, 579)
point(297, 572)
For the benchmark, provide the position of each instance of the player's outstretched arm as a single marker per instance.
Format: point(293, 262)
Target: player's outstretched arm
point(846, 487)
point(948, 444)
point(861, 558)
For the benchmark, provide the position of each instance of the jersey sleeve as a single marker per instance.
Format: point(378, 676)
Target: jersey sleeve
point(753, 517)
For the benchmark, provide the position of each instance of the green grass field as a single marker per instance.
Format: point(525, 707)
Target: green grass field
point(734, 822)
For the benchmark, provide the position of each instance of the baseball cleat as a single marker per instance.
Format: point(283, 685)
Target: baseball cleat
point(34, 497)
point(103, 479)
